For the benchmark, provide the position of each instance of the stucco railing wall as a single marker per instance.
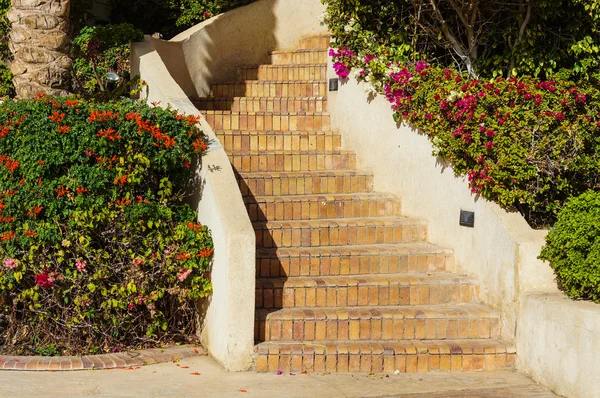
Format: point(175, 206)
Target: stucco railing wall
point(212, 51)
point(227, 324)
point(556, 338)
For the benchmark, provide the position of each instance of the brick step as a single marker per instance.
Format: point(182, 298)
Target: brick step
point(281, 73)
point(270, 89)
point(262, 104)
point(299, 57)
point(313, 207)
point(317, 42)
point(424, 322)
point(227, 120)
point(352, 260)
point(292, 160)
point(265, 140)
point(364, 290)
point(406, 356)
point(304, 182)
point(339, 232)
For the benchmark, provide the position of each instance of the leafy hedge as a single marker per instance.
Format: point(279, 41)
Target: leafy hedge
point(172, 16)
point(98, 249)
point(573, 247)
point(524, 143)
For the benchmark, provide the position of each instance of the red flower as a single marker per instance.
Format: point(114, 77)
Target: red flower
point(57, 117)
point(109, 134)
point(31, 234)
point(61, 191)
point(81, 190)
point(63, 129)
point(44, 280)
point(120, 180)
point(35, 211)
point(7, 235)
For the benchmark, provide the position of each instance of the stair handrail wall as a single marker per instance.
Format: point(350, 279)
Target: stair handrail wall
point(227, 317)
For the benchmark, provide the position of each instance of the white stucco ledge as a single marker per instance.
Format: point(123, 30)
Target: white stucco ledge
point(227, 317)
point(561, 346)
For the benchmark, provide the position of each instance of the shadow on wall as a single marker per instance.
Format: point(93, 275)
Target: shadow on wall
point(212, 51)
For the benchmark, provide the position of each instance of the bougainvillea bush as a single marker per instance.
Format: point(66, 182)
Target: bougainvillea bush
point(525, 143)
point(99, 250)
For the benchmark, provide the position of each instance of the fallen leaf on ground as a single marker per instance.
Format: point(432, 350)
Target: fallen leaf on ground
point(195, 373)
point(243, 391)
point(304, 373)
point(185, 367)
point(196, 351)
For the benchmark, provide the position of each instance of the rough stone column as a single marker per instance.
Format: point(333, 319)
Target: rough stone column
point(39, 41)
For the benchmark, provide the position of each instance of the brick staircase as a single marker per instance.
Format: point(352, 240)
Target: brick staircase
point(345, 283)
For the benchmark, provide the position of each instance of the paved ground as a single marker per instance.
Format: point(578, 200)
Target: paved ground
point(170, 380)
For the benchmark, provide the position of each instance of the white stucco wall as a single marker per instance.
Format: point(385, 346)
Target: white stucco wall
point(227, 329)
point(557, 339)
point(213, 50)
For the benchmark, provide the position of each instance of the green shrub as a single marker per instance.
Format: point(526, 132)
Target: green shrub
point(98, 50)
point(573, 247)
point(98, 250)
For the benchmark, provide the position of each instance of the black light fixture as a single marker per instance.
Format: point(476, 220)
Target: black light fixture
point(333, 84)
point(467, 219)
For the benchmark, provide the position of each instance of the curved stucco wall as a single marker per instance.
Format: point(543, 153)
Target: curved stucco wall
point(213, 50)
point(556, 338)
point(227, 324)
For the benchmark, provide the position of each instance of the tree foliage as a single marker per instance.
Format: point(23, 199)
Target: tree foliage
point(483, 37)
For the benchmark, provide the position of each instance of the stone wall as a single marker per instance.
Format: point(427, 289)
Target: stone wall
point(40, 44)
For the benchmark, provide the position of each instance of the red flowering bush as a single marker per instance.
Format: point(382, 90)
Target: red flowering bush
point(99, 250)
point(524, 143)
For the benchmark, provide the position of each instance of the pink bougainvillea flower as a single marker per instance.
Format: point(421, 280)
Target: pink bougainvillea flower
point(11, 263)
point(80, 265)
point(183, 274)
point(138, 261)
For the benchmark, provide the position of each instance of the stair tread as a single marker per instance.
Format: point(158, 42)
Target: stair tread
point(321, 197)
point(318, 98)
point(363, 221)
point(378, 347)
point(406, 279)
point(276, 132)
point(306, 173)
point(299, 50)
point(270, 82)
point(298, 113)
point(426, 311)
point(284, 66)
point(291, 152)
point(375, 249)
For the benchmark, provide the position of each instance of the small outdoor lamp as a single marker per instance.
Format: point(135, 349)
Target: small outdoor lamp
point(112, 79)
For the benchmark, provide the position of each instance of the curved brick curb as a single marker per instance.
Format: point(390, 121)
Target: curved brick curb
point(129, 359)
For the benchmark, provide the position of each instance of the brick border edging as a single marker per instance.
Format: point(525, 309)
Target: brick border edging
point(126, 360)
